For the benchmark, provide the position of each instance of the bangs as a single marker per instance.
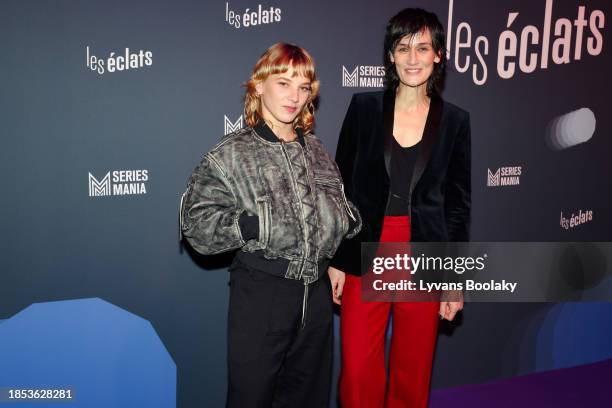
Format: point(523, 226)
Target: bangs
point(284, 57)
point(409, 34)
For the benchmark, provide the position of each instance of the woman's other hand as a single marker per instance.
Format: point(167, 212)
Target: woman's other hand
point(337, 277)
point(449, 309)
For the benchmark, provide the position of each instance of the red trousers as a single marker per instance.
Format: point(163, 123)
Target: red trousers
point(363, 326)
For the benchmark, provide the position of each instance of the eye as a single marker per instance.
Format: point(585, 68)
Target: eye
point(402, 49)
point(306, 89)
point(423, 49)
point(283, 84)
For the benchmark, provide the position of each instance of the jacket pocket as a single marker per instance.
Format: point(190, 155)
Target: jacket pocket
point(182, 221)
point(337, 184)
point(333, 213)
point(265, 217)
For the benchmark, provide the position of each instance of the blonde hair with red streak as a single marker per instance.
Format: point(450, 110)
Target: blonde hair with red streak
point(277, 60)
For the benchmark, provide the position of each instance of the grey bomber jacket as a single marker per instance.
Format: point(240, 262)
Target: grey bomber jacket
point(294, 189)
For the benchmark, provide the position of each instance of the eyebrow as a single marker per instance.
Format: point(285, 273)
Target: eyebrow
point(417, 44)
point(290, 80)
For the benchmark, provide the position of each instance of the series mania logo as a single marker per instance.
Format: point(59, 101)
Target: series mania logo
point(119, 182)
point(504, 176)
point(363, 76)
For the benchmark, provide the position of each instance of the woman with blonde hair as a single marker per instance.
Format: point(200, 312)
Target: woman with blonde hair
point(272, 191)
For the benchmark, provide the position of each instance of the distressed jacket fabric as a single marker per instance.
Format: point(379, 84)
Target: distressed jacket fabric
point(295, 190)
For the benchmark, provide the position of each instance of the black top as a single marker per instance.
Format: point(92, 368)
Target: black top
point(402, 167)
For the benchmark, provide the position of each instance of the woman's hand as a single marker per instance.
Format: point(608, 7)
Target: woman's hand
point(449, 309)
point(337, 277)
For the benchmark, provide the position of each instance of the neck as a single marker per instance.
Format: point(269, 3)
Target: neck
point(411, 98)
point(284, 131)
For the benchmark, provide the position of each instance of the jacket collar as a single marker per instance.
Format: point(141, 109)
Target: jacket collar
point(263, 130)
point(430, 134)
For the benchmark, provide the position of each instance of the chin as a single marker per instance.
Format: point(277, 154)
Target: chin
point(285, 119)
point(289, 119)
point(413, 83)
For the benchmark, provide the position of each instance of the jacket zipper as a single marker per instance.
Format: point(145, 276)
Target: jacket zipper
point(307, 245)
point(304, 306)
point(293, 182)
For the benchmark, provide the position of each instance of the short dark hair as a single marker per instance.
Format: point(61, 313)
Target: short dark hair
point(411, 21)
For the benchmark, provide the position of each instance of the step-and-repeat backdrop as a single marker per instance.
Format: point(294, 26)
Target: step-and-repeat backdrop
point(108, 106)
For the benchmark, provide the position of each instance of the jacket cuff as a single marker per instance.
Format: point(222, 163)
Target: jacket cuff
point(249, 226)
point(355, 222)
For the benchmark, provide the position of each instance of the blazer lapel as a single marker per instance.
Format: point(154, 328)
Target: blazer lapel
point(388, 112)
point(430, 135)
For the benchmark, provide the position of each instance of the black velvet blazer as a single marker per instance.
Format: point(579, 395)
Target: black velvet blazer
point(439, 205)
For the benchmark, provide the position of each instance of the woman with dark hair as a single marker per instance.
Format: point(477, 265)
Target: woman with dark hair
point(272, 191)
point(404, 156)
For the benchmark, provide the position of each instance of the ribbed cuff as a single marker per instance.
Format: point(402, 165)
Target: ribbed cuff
point(249, 226)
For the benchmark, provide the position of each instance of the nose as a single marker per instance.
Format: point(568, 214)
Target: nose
point(294, 95)
point(412, 57)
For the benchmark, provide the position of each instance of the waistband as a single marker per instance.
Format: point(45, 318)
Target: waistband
point(278, 266)
point(396, 220)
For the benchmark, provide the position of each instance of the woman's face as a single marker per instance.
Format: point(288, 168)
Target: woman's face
point(283, 97)
point(414, 58)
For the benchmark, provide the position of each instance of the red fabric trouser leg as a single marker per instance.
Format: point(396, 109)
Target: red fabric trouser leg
point(362, 329)
point(362, 335)
point(415, 327)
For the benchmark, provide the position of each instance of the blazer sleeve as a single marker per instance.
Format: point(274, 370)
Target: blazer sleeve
point(210, 220)
point(457, 203)
point(345, 158)
point(347, 147)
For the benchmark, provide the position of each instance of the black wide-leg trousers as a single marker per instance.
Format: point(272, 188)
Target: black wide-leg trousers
point(279, 354)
